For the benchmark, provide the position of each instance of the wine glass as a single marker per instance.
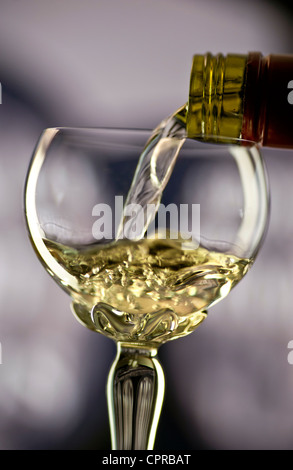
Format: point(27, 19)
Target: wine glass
point(145, 233)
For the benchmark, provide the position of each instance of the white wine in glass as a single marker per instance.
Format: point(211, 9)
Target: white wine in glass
point(145, 232)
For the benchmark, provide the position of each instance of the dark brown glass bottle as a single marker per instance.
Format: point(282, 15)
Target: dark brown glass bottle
point(242, 96)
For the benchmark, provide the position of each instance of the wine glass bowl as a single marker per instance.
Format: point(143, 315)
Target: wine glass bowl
point(143, 246)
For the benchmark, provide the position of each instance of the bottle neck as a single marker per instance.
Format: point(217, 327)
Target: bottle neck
point(215, 105)
point(268, 100)
point(253, 97)
point(242, 96)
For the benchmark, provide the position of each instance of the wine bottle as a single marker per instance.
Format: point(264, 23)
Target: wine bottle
point(242, 96)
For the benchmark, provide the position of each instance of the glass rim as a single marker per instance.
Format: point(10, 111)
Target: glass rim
point(203, 138)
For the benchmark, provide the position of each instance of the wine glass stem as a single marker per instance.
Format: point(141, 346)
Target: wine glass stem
point(135, 393)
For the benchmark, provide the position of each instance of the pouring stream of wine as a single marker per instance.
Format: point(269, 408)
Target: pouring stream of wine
point(152, 174)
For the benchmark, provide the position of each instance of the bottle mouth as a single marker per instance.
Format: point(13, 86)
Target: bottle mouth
point(216, 95)
point(209, 140)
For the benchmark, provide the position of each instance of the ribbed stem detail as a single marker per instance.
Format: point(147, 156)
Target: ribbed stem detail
point(135, 393)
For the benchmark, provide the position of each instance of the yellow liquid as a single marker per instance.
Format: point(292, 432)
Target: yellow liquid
point(146, 291)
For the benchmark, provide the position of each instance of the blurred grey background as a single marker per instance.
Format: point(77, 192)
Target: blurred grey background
point(127, 63)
